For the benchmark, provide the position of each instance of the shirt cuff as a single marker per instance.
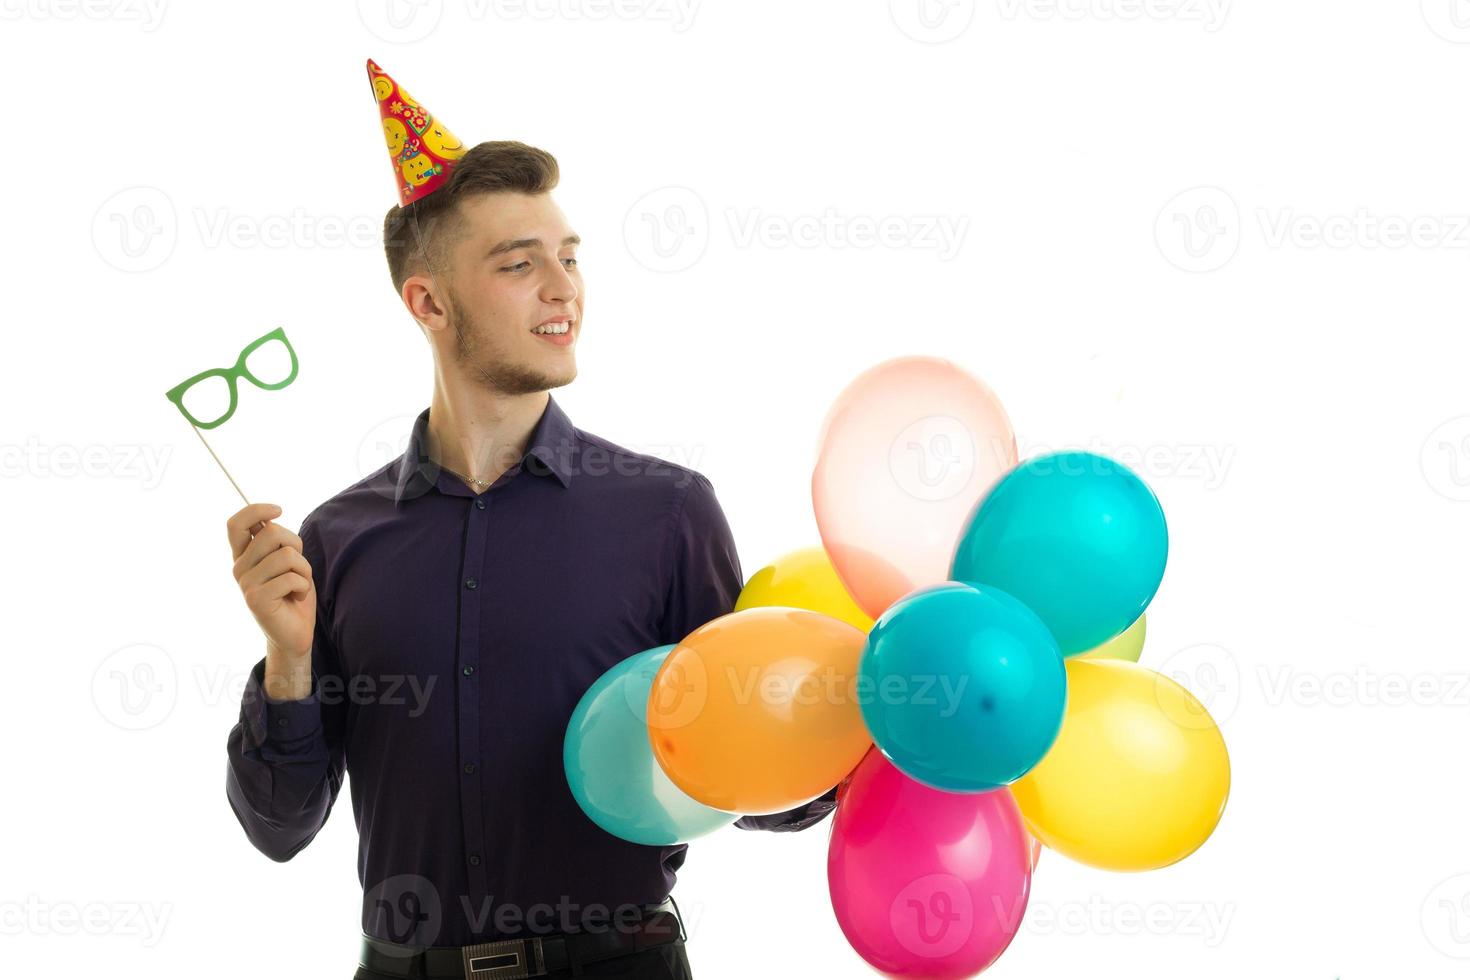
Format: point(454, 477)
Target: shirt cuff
point(277, 722)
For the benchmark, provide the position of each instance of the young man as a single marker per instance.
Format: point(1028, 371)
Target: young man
point(433, 626)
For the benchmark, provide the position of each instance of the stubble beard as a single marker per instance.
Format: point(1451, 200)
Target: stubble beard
point(490, 369)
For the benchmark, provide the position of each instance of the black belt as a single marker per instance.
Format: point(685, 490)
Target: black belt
point(510, 959)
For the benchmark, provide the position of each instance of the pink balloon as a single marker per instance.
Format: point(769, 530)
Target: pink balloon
point(905, 453)
point(926, 883)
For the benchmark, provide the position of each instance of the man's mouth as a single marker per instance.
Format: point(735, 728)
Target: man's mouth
point(554, 327)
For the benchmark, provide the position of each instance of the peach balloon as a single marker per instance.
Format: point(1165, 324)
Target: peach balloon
point(906, 452)
point(757, 711)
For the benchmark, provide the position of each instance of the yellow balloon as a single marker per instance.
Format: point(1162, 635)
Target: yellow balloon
point(803, 579)
point(1138, 776)
point(1127, 645)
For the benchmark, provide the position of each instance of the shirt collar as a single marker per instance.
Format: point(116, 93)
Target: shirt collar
point(549, 452)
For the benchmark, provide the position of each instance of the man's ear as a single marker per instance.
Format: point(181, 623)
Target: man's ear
point(420, 295)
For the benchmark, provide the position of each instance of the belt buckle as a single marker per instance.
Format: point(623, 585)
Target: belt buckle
point(509, 959)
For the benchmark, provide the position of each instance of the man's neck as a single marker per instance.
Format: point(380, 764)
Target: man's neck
point(480, 434)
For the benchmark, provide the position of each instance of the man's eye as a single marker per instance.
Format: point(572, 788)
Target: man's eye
point(513, 268)
point(573, 261)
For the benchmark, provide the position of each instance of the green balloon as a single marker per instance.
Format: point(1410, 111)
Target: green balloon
point(1127, 645)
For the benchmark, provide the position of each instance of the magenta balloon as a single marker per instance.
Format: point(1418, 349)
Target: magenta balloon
point(905, 453)
point(926, 883)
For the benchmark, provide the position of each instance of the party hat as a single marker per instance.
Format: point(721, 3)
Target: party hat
point(421, 148)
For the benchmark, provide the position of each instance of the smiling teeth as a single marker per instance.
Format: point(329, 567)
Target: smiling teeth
point(553, 328)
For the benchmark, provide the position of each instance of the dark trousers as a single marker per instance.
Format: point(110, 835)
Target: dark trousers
point(666, 962)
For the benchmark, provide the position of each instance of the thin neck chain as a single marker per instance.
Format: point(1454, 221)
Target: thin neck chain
point(478, 483)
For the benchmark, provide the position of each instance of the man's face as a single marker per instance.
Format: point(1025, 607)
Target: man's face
point(512, 276)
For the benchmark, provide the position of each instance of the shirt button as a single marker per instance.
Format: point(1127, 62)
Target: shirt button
point(479, 503)
point(468, 670)
point(469, 767)
point(475, 860)
point(470, 583)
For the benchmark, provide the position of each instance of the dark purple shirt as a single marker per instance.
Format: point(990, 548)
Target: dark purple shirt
point(455, 634)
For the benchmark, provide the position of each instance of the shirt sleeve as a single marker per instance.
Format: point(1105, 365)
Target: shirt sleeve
point(799, 818)
point(705, 582)
point(286, 758)
point(705, 578)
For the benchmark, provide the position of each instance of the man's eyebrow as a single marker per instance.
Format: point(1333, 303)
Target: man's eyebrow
point(513, 244)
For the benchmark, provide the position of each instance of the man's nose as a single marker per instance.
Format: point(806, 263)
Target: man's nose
point(560, 287)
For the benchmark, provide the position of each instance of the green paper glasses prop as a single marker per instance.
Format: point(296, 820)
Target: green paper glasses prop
point(229, 376)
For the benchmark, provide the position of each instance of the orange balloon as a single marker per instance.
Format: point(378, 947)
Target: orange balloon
point(905, 453)
point(757, 711)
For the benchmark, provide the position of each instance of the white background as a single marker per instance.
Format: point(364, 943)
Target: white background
point(1224, 242)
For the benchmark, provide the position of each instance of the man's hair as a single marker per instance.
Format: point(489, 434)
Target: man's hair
point(499, 165)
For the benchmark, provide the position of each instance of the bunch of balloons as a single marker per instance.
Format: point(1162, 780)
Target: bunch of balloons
point(959, 658)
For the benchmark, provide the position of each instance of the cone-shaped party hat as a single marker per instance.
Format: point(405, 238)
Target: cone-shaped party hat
point(421, 148)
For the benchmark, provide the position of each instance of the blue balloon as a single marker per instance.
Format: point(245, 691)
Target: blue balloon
point(1077, 537)
point(611, 769)
point(962, 687)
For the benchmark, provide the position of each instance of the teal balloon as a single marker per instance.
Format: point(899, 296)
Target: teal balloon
point(962, 687)
point(611, 768)
point(1077, 537)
